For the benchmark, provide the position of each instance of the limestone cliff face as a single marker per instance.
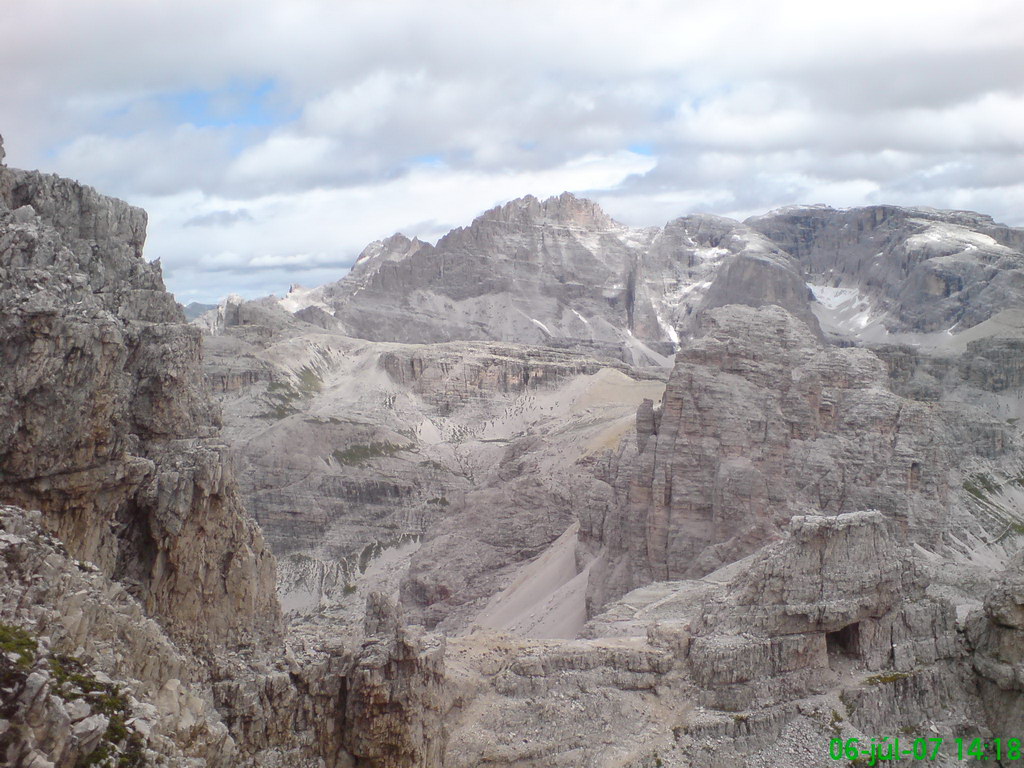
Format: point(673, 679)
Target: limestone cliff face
point(926, 270)
point(515, 274)
point(139, 621)
point(421, 456)
point(94, 674)
point(107, 427)
point(396, 699)
point(762, 607)
point(997, 635)
point(834, 595)
point(560, 272)
point(760, 422)
point(828, 632)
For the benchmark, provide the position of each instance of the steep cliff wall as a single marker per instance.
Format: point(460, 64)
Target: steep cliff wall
point(761, 422)
point(926, 270)
point(107, 428)
point(997, 636)
point(139, 623)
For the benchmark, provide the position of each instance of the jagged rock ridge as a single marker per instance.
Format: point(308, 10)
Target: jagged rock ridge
point(139, 623)
point(742, 604)
point(561, 271)
point(108, 429)
point(769, 416)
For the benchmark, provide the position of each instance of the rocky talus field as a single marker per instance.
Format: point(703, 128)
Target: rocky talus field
point(553, 491)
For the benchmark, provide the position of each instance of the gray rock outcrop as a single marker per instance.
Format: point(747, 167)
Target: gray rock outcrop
point(505, 538)
point(92, 673)
point(560, 272)
point(997, 635)
point(924, 270)
point(714, 533)
point(107, 426)
point(761, 422)
point(138, 617)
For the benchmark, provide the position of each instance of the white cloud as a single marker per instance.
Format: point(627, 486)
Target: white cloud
point(280, 157)
point(324, 228)
point(355, 119)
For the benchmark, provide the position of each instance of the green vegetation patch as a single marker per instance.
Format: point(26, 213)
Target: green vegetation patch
point(16, 640)
point(892, 677)
point(283, 396)
point(358, 453)
point(120, 746)
point(995, 495)
point(835, 722)
point(981, 485)
point(310, 382)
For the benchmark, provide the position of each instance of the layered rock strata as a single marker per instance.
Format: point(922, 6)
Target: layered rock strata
point(761, 422)
point(997, 636)
point(827, 633)
point(364, 460)
point(743, 609)
point(107, 428)
point(559, 273)
point(91, 674)
point(927, 270)
point(138, 617)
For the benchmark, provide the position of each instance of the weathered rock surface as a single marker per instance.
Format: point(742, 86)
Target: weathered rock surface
point(96, 672)
point(138, 617)
point(539, 272)
point(518, 475)
point(764, 443)
point(761, 422)
point(358, 458)
point(921, 269)
point(107, 427)
point(396, 703)
point(97, 675)
point(758, 664)
point(559, 272)
point(997, 635)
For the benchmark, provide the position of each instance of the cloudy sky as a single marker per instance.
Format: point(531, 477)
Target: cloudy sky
point(271, 141)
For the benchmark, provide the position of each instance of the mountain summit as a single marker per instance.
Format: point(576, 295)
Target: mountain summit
point(561, 271)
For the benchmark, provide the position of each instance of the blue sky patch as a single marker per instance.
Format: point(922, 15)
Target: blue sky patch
point(243, 104)
point(427, 160)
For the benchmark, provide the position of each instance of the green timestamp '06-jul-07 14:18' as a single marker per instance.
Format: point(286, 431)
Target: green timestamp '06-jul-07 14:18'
point(889, 749)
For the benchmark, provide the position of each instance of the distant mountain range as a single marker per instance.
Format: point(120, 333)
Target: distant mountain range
point(195, 309)
point(562, 272)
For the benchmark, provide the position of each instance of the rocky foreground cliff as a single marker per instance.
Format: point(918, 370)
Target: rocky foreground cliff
point(139, 620)
point(551, 492)
point(107, 429)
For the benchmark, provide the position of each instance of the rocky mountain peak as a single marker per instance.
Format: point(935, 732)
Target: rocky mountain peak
point(618, 481)
point(394, 248)
point(2, 153)
point(565, 209)
point(395, 243)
